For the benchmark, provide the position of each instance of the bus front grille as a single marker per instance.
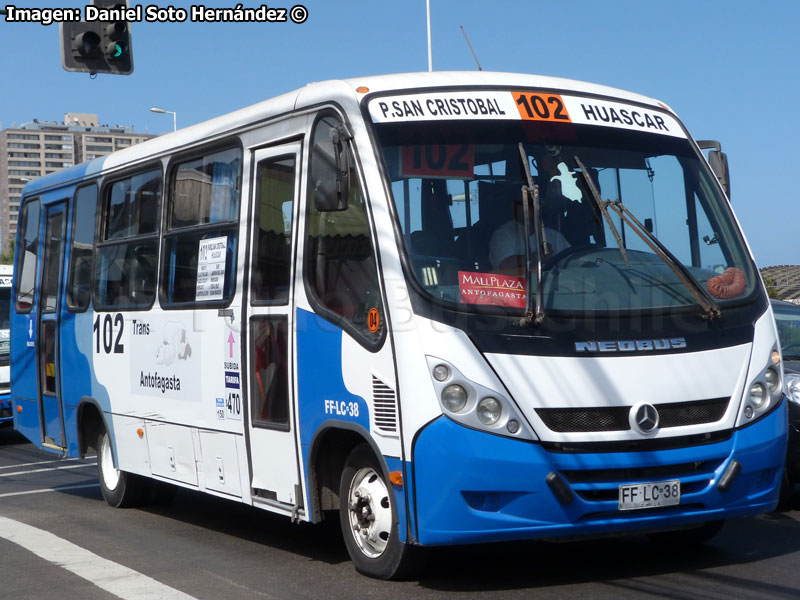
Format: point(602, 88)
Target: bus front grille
point(615, 418)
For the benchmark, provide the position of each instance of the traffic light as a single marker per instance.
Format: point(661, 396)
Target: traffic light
point(98, 46)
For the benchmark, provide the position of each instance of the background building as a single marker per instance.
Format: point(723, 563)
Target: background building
point(39, 147)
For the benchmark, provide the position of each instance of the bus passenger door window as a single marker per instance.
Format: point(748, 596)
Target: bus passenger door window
point(47, 359)
point(270, 371)
point(274, 207)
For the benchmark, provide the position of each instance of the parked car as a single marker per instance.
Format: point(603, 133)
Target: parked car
point(787, 318)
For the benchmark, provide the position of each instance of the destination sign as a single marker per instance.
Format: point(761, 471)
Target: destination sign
point(520, 105)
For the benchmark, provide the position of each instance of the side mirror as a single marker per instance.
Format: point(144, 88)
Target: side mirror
point(718, 161)
point(332, 170)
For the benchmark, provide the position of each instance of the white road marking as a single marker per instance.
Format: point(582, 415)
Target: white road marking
point(55, 489)
point(31, 464)
point(105, 574)
point(41, 462)
point(4, 475)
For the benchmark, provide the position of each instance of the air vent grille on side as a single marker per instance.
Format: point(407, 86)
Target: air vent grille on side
point(384, 401)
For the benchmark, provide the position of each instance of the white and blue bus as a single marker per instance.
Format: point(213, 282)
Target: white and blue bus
point(443, 308)
point(6, 272)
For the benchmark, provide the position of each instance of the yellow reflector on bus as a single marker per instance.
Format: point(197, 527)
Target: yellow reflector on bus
point(396, 477)
point(362, 89)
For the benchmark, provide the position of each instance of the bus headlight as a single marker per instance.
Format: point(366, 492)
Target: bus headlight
point(793, 387)
point(475, 405)
point(773, 380)
point(489, 410)
point(758, 395)
point(764, 392)
point(441, 373)
point(454, 398)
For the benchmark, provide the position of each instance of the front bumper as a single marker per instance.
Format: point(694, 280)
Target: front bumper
point(472, 486)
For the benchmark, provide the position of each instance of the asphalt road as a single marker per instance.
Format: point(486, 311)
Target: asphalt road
point(58, 544)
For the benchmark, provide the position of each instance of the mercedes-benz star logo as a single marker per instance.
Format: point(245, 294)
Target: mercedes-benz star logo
point(645, 417)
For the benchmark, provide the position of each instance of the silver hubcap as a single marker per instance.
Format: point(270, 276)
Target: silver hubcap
point(107, 471)
point(370, 512)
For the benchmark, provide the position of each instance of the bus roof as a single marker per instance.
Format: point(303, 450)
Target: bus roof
point(342, 91)
point(412, 81)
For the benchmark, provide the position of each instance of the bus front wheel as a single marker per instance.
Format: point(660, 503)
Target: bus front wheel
point(120, 489)
point(369, 519)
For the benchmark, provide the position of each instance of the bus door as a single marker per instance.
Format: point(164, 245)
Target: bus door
point(47, 335)
point(274, 459)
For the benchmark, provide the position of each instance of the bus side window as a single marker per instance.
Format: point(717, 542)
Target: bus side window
point(273, 252)
point(340, 267)
point(127, 253)
point(28, 255)
point(82, 252)
point(202, 213)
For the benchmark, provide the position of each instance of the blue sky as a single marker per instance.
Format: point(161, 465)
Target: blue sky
point(728, 68)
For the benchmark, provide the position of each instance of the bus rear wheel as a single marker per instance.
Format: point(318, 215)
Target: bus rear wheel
point(120, 489)
point(368, 518)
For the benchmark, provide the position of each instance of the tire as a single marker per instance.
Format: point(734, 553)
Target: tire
point(687, 538)
point(120, 489)
point(368, 518)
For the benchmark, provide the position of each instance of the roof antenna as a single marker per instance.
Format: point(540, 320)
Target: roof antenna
point(470, 48)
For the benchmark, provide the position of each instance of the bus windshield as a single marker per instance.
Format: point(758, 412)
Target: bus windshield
point(457, 188)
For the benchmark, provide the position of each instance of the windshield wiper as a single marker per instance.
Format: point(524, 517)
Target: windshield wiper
point(530, 195)
point(710, 309)
point(601, 208)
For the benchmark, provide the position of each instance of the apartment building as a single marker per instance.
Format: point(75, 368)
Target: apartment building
point(36, 148)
